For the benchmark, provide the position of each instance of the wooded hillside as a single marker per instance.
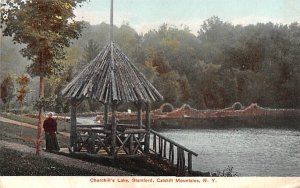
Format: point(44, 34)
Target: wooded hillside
point(220, 65)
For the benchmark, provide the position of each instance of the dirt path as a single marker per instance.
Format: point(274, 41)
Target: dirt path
point(105, 170)
point(18, 123)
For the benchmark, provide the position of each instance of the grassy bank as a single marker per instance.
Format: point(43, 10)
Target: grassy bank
point(14, 163)
point(24, 135)
point(142, 166)
point(61, 125)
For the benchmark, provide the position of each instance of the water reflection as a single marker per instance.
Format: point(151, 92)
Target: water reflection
point(252, 152)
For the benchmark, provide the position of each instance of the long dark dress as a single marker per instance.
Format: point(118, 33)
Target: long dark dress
point(50, 127)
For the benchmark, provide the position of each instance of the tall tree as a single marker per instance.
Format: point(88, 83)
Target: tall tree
point(23, 81)
point(46, 28)
point(7, 91)
point(215, 37)
point(91, 50)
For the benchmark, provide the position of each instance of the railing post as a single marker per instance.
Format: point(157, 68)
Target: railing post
point(139, 114)
point(165, 148)
point(171, 153)
point(154, 143)
point(148, 121)
point(91, 143)
point(190, 164)
point(131, 143)
point(105, 114)
point(113, 131)
point(183, 160)
point(178, 159)
point(160, 146)
point(73, 135)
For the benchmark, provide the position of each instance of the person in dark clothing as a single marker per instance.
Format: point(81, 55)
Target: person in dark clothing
point(50, 128)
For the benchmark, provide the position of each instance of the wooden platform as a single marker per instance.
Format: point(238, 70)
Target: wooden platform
point(100, 154)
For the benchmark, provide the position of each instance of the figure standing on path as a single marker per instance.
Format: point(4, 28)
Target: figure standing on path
point(50, 128)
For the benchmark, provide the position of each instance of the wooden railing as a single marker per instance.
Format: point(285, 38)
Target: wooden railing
point(95, 138)
point(130, 141)
point(167, 148)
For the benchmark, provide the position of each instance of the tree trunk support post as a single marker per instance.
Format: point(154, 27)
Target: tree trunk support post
point(139, 115)
point(148, 121)
point(105, 114)
point(113, 130)
point(73, 136)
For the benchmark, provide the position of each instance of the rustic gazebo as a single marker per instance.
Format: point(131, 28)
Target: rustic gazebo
point(112, 79)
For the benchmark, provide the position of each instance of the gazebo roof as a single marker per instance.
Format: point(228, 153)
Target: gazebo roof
point(109, 80)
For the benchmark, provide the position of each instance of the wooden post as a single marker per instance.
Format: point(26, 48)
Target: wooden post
point(165, 149)
point(131, 144)
point(111, 21)
point(171, 153)
point(160, 143)
point(178, 158)
point(148, 121)
point(183, 160)
point(154, 143)
point(105, 114)
point(113, 130)
point(73, 135)
point(190, 164)
point(139, 115)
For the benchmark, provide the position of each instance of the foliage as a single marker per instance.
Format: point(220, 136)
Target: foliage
point(12, 62)
point(259, 63)
point(237, 106)
point(167, 107)
point(53, 87)
point(7, 90)
point(223, 64)
point(23, 82)
point(47, 103)
point(25, 23)
point(91, 50)
point(228, 172)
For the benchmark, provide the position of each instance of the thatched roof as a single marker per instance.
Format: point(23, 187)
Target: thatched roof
point(108, 80)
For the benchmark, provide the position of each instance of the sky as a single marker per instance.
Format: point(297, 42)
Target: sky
point(143, 15)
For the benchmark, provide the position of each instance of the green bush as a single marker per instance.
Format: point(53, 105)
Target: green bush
point(237, 106)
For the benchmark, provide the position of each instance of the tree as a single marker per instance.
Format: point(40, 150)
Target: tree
point(91, 50)
point(7, 91)
point(215, 37)
point(128, 39)
point(23, 82)
point(46, 28)
point(11, 60)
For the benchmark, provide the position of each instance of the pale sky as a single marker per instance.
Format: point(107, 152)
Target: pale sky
point(143, 15)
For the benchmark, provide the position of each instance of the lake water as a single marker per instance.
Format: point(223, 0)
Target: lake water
point(252, 152)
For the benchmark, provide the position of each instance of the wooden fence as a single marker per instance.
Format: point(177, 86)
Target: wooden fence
point(96, 139)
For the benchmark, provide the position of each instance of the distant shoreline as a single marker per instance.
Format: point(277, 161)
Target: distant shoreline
point(252, 116)
point(278, 122)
